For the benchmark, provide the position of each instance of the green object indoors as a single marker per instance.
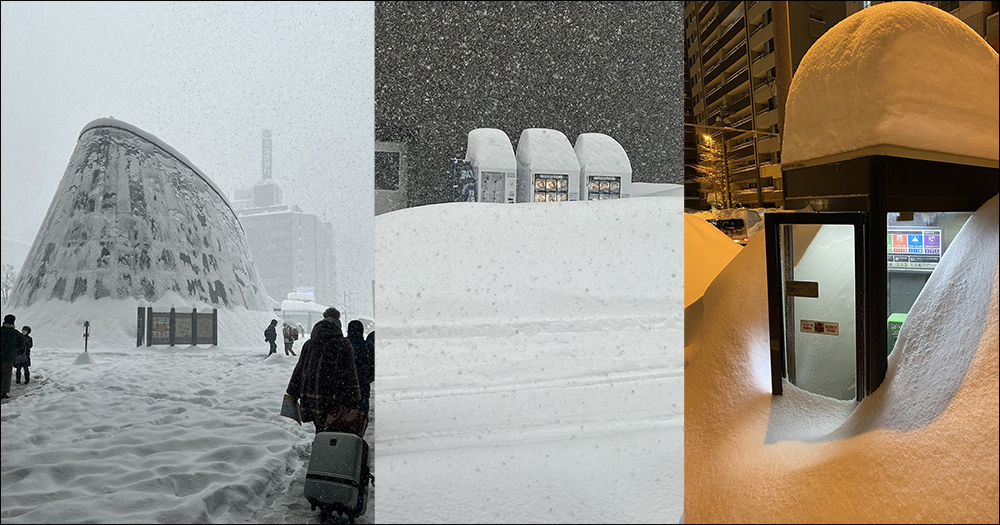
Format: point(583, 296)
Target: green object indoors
point(895, 323)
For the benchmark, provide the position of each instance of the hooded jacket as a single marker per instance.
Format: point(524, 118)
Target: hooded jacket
point(325, 376)
point(362, 359)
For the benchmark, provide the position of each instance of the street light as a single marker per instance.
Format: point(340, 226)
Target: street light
point(725, 157)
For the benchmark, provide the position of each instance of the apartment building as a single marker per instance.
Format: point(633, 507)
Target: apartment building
point(741, 57)
point(980, 16)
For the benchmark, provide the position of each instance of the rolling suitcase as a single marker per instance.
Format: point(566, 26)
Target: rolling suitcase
point(338, 474)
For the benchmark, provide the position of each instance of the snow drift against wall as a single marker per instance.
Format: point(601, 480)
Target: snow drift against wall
point(900, 74)
point(923, 447)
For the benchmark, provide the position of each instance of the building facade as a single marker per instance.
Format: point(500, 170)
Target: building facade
point(740, 58)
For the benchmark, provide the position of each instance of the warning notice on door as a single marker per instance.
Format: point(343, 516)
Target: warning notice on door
point(802, 289)
point(819, 327)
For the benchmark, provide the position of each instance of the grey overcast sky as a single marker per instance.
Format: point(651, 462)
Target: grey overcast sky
point(206, 78)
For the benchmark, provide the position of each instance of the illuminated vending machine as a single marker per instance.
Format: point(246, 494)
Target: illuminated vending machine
point(547, 167)
point(492, 158)
point(605, 171)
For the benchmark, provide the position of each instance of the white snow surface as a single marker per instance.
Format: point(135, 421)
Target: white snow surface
point(490, 148)
point(900, 74)
point(602, 155)
point(540, 150)
point(113, 323)
point(706, 252)
point(530, 371)
point(655, 189)
point(922, 448)
point(183, 435)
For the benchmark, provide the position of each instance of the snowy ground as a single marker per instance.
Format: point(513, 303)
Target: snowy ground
point(531, 370)
point(922, 448)
point(155, 436)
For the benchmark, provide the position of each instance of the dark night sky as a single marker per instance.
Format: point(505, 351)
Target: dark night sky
point(443, 69)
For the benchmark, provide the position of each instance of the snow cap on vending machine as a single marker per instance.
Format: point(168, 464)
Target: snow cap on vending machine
point(605, 171)
point(547, 167)
point(492, 157)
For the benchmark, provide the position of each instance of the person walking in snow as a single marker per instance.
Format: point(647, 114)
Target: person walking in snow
point(23, 359)
point(11, 342)
point(289, 334)
point(325, 381)
point(271, 335)
point(362, 361)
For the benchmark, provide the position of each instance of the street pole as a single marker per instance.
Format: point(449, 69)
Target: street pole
point(725, 167)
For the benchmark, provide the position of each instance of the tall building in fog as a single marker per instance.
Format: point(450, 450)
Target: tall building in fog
point(293, 250)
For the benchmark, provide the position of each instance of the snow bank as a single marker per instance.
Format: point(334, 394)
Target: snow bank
point(923, 447)
point(887, 76)
point(534, 263)
point(529, 362)
point(113, 322)
point(490, 148)
point(706, 252)
point(652, 189)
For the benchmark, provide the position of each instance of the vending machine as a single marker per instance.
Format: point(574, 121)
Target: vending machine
point(491, 156)
point(605, 171)
point(547, 167)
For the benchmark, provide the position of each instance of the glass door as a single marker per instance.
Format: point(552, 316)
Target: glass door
point(816, 269)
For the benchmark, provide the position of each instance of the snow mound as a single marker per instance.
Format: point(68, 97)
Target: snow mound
point(706, 252)
point(535, 262)
point(600, 154)
point(886, 76)
point(540, 150)
point(923, 447)
point(84, 359)
point(490, 148)
point(515, 340)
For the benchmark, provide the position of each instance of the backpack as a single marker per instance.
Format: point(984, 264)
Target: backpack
point(295, 334)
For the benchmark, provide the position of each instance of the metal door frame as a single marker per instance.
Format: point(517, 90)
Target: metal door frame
point(773, 223)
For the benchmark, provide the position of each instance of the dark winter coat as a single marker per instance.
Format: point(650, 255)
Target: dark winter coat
point(270, 334)
point(26, 352)
point(370, 346)
point(11, 343)
point(363, 362)
point(325, 376)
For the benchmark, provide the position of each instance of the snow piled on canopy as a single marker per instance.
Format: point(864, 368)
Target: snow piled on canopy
point(540, 150)
point(529, 363)
point(490, 148)
point(600, 154)
point(900, 74)
point(923, 447)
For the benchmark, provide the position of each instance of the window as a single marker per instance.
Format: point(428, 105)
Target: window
point(387, 170)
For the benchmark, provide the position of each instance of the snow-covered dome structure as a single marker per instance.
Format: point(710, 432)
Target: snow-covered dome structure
point(132, 219)
point(899, 78)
